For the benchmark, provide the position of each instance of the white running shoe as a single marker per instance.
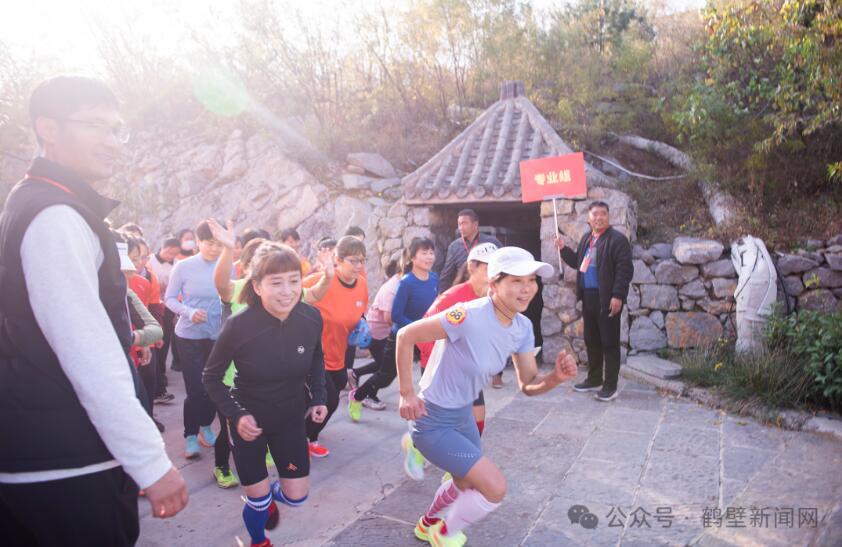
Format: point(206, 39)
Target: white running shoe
point(413, 461)
point(374, 404)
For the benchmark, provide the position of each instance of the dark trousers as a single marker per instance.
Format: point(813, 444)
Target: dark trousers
point(198, 408)
point(384, 375)
point(602, 339)
point(148, 375)
point(95, 509)
point(161, 354)
point(376, 348)
point(335, 381)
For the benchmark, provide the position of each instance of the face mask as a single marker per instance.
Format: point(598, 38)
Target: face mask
point(188, 245)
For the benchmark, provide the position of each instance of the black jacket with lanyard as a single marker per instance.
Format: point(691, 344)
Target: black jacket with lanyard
point(613, 262)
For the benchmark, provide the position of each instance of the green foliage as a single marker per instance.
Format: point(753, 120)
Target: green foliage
point(816, 340)
point(773, 379)
point(768, 96)
point(802, 367)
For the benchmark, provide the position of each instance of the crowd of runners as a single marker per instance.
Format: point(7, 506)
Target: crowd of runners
point(266, 341)
point(264, 337)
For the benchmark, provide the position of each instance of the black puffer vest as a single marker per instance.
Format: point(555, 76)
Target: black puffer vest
point(43, 426)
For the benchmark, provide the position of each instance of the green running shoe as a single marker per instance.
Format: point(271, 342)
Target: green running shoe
point(355, 407)
point(225, 478)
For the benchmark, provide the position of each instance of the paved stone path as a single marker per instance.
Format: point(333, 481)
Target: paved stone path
point(650, 469)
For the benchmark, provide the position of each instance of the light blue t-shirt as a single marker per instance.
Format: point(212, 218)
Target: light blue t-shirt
point(192, 279)
point(476, 348)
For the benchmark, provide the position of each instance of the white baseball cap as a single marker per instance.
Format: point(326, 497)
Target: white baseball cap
point(126, 264)
point(482, 252)
point(516, 261)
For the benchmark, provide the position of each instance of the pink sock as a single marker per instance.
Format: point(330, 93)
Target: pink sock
point(470, 507)
point(445, 495)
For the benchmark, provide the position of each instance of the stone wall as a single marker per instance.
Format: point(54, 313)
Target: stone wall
point(682, 293)
point(399, 226)
point(813, 275)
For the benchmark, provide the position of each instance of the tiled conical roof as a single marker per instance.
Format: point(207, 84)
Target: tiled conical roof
point(482, 163)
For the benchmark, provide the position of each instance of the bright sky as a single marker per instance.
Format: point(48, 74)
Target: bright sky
point(63, 29)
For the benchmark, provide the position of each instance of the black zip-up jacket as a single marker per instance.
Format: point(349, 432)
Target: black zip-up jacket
point(613, 265)
point(276, 362)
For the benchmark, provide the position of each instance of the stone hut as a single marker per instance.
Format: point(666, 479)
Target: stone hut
point(480, 169)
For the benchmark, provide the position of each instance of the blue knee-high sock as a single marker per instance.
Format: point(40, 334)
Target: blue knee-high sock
point(278, 494)
point(255, 515)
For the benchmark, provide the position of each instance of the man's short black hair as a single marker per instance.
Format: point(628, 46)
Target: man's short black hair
point(252, 233)
point(290, 233)
point(203, 231)
point(62, 96)
point(171, 241)
point(595, 204)
point(468, 213)
point(355, 231)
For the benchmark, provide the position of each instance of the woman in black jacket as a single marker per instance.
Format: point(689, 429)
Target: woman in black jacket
point(276, 348)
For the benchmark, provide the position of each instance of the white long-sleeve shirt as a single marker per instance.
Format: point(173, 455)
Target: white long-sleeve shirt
point(61, 256)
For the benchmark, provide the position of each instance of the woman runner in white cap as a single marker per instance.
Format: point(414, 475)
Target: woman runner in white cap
point(476, 286)
point(475, 339)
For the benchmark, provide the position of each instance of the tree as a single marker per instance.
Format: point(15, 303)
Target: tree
point(769, 92)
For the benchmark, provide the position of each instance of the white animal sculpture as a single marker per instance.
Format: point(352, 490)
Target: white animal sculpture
point(756, 292)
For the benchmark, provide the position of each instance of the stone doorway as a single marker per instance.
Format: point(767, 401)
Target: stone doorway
point(514, 224)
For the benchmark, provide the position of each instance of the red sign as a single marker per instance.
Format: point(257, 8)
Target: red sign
point(558, 177)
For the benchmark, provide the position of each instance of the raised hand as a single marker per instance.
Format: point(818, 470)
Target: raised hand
point(324, 259)
point(226, 235)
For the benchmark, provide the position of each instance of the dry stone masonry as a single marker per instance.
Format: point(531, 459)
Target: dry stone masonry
point(682, 294)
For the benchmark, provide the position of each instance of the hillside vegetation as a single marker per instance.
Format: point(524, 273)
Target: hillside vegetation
point(751, 90)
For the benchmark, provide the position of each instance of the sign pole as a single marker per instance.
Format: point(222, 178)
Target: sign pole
point(557, 236)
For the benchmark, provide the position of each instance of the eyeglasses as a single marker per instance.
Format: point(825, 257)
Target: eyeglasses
point(355, 262)
point(120, 132)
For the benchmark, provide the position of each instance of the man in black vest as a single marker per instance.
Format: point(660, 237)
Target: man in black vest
point(604, 263)
point(76, 442)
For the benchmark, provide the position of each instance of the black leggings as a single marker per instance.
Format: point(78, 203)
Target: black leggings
point(376, 348)
point(335, 381)
point(350, 355)
point(385, 373)
point(222, 447)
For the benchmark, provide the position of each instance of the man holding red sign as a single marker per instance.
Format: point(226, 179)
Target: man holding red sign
point(604, 263)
